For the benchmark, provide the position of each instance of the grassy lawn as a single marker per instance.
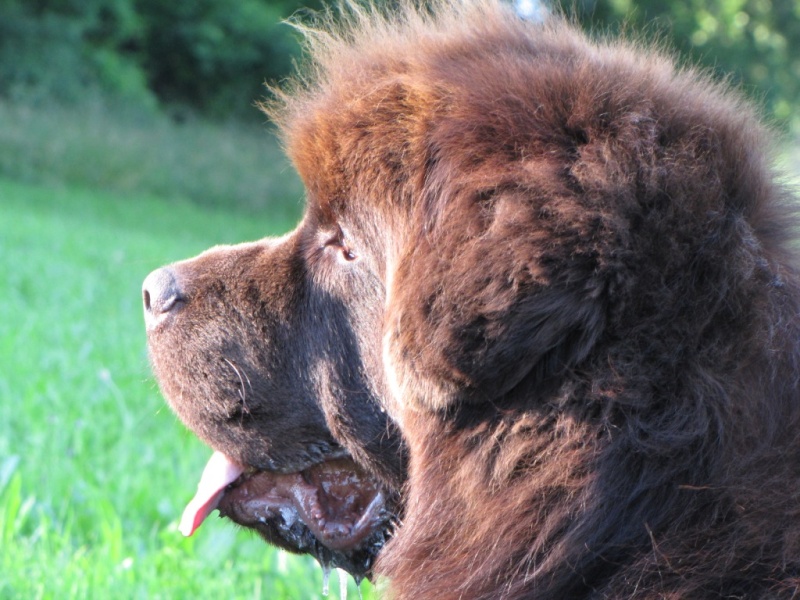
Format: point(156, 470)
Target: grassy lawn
point(94, 468)
point(99, 145)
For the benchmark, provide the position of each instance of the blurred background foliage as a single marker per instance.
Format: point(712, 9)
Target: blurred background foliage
point(155, 97)
point(206, 55)
point(212, 56)
point(754, 42)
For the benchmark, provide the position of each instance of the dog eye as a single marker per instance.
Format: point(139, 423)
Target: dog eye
point(338, 243)
point(345, 253)
point(348, 254)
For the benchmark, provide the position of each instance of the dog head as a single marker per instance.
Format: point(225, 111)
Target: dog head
point(270, 359)
point(488, 201)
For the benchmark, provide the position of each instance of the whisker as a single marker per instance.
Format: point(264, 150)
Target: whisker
point(242, 390)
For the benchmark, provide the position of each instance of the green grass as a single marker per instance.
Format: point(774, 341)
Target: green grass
point(103, 145)
point(94, 469)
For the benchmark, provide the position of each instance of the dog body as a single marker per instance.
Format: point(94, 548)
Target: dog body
point(542, 306)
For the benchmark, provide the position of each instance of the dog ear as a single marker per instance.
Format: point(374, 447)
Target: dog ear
point(493, 288)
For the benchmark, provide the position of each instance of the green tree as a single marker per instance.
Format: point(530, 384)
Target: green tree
point(214, 54)
point(58, 49)
point(755, 42)
point(211, 55)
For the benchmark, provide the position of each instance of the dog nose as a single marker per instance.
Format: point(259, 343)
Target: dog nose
point(161, 295)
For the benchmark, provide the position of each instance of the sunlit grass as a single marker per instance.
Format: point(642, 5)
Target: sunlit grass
point(94, 469)
point(99, 145)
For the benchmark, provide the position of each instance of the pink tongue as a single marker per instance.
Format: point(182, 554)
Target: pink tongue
point(219, 472)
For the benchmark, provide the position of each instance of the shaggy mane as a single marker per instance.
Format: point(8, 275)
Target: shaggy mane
point(592, 334)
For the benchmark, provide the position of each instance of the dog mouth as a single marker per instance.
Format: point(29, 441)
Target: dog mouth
point(332, 510)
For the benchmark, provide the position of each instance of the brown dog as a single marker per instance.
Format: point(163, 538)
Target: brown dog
point(554, 273)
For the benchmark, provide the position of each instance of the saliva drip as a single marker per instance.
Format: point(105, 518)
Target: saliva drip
point(326, 575)
point(342, 584)
point(327, 563)
point(343, 575)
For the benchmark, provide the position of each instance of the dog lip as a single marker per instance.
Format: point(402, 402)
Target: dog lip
point(334, 481)
point(340, 504)
point(313, 456)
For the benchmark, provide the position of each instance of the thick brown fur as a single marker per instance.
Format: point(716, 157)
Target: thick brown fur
point(589, 305)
